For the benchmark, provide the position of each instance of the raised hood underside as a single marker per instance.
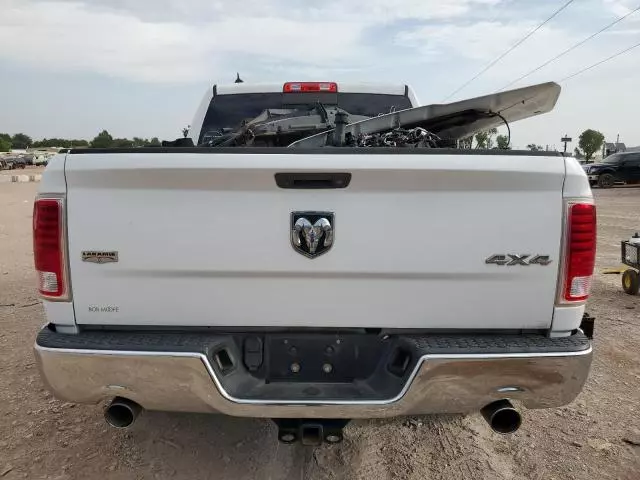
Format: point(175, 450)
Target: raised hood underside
point(458, 119)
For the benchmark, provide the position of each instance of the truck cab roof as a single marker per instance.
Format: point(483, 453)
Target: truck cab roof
point(344, 87)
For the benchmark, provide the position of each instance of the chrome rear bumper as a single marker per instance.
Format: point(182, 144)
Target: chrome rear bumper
point(439, 383)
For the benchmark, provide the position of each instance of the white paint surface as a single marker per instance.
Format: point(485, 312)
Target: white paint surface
point(203, 239)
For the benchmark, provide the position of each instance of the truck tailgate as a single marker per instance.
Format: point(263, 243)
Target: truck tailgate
point(204, 239)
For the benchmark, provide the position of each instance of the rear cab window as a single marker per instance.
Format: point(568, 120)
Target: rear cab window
point(228, 111)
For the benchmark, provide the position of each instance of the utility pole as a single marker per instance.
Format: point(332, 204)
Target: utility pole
point(566, 139)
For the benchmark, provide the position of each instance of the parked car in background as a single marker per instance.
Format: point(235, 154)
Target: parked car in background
point(41, 158)
point(20, 162)
point(8, 163)
point(616, 168)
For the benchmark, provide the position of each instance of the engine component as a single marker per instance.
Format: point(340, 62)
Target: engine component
point(399, 137)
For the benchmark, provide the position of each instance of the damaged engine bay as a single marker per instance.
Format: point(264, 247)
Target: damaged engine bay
point(280, 127)
point(429, 126)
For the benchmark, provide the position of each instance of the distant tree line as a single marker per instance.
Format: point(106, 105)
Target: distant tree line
point(21, 141)
point(484, 140)
point(105, 140)
point(59, 142)
point(5, 142)
point(590, 142)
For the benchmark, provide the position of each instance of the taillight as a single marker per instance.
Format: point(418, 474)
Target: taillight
point(580, 251)
point(49, 246)
point(300, 87)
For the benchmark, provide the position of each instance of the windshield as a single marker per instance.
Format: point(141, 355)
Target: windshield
point(229, 111)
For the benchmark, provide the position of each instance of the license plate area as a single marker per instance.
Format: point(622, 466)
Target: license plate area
point(321, 358)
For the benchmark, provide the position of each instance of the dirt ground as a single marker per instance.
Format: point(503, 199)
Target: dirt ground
point(596, 437)
point(29, 170)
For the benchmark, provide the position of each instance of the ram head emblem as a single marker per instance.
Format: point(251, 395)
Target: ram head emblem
point(312, 232)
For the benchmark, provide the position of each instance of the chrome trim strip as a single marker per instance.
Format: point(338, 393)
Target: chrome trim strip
point(225, 394)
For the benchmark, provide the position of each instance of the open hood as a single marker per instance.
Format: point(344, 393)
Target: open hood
point(455, 120)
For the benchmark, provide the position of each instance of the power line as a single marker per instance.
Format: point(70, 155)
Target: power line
point(573, 47)
point(600, 62)
point(511, 49)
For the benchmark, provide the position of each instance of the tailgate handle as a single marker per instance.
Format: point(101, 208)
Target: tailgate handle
point(306, 180)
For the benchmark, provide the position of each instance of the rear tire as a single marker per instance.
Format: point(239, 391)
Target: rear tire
point(606, 180)
point(630, 282)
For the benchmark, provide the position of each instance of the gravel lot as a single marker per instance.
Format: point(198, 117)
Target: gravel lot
point(596, 437)
point(29, 170)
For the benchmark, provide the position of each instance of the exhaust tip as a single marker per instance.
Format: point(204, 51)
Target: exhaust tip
point(121, 413)
point(502, 417)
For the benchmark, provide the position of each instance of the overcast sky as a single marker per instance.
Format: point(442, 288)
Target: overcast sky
point(139, 67)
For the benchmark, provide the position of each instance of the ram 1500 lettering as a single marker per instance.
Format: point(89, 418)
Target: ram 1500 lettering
point(317, 252)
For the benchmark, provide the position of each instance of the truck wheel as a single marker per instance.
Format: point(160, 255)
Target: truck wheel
point(630, 282)
point(606, 180)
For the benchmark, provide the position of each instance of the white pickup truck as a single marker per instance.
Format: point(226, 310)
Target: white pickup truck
point(317, 252)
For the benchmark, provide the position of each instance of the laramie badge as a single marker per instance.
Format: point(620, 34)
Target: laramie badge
point(99, 256)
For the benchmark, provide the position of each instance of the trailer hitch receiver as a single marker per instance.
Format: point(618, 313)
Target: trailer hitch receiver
point(310, 431)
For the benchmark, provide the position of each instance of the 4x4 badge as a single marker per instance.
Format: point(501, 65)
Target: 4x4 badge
point(511, 259)
point(312, 233)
